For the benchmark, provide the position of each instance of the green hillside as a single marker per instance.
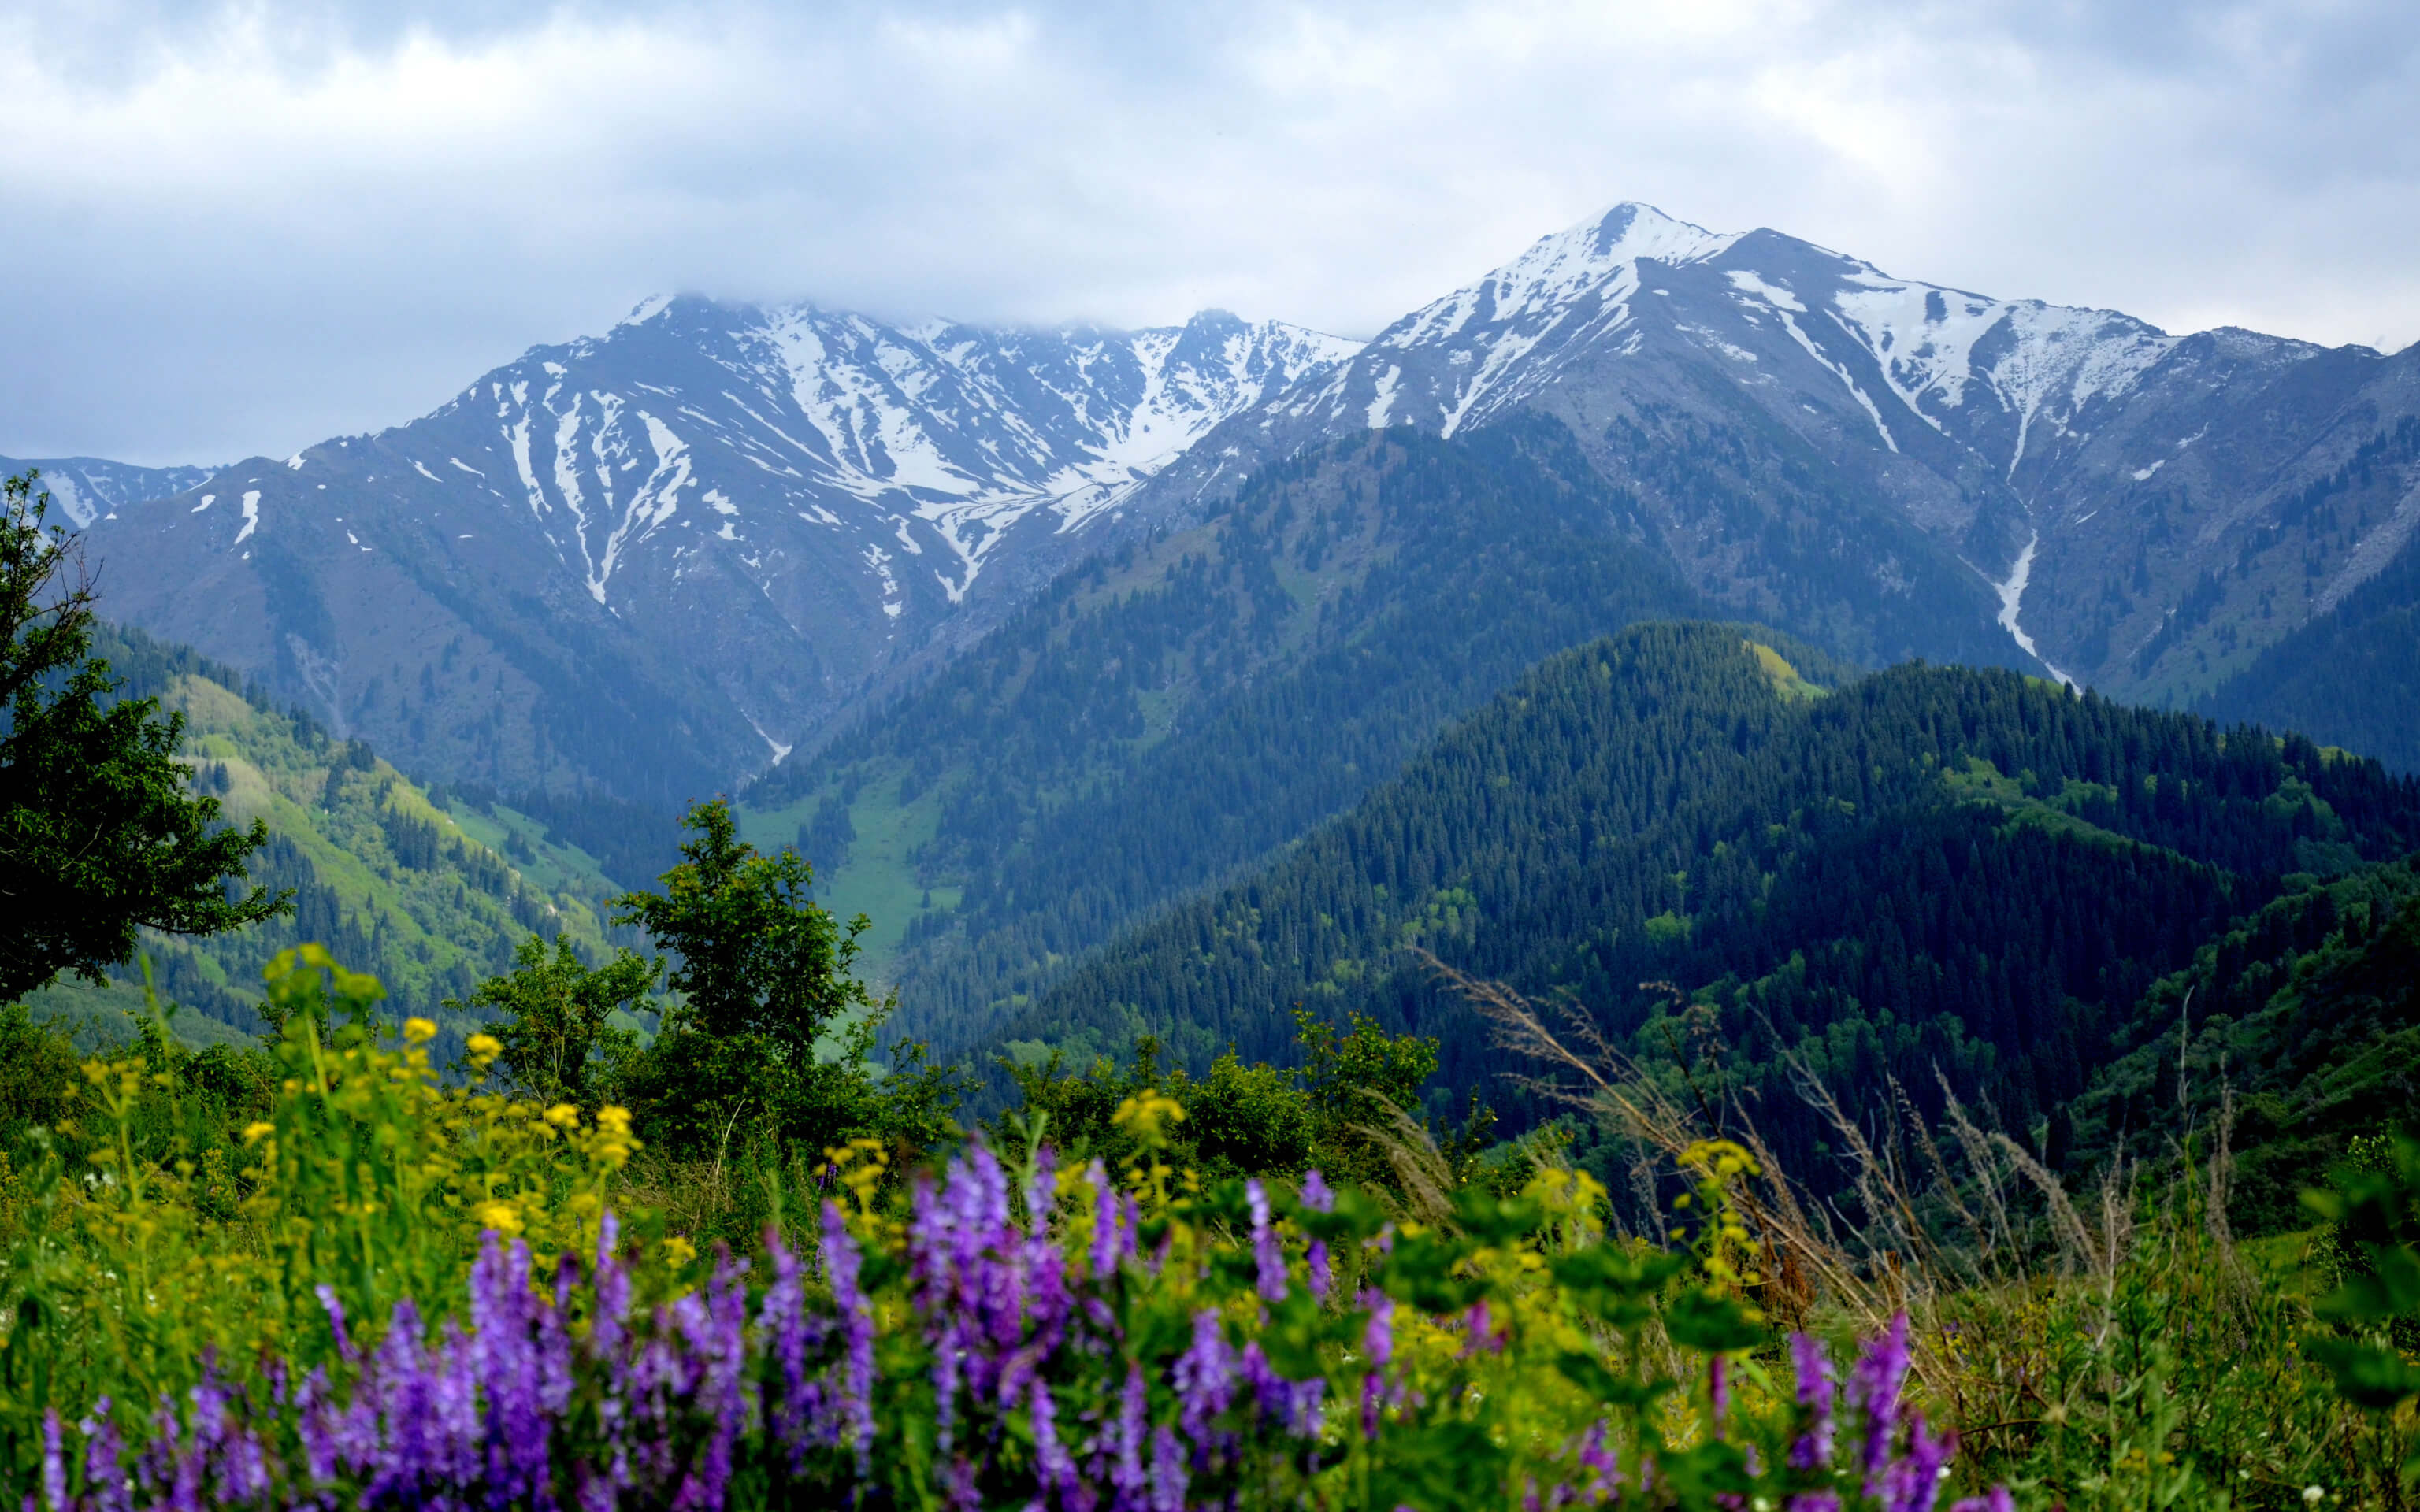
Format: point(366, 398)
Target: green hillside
point(1183, 707)
point(2349, 676)
point(1924, 867)
point(431, 897)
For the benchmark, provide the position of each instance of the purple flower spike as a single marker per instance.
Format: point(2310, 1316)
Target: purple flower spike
point(1815, 1392)
point(1168, 1472)
point(1813, 1502)
point(54, 1464)
point(1718, 1391)
point(1111, 1240)
point(1055, 1469)
point(1265, 1254)
point(1378, 1343)
point(843, 1263)
point(105, 1461)
point(1997, 1499)
point(1602, 1463)
point(1128, 1483)
point(1323, 1274)
point(327, 1295)
point(1315, 1194)
point(1204, 1376)
point(1914, 1483)
point(1874, 1390)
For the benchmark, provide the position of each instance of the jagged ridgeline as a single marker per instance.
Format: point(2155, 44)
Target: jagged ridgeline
point(432, 899)
point(1180, 707)
point(1927, 867)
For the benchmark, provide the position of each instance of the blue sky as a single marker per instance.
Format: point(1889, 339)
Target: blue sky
point(241, 228)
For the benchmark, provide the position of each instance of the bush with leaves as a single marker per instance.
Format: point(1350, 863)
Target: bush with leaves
point(772, 1035)
point(554, 1015)
point(2375, 1205)
point(1348, 1109)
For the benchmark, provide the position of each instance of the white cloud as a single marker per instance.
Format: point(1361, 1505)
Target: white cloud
point(243, 227)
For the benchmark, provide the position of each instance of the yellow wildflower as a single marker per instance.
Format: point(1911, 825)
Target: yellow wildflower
point(501, 1216)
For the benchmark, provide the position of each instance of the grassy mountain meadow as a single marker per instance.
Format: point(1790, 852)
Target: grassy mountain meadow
point(430, 892)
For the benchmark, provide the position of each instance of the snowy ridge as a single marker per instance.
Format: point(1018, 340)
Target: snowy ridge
point(1900, 352)
point(83, 489)
point(942, 436)
point(1463, 359)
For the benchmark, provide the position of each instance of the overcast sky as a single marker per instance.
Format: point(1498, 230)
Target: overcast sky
point(242, 228)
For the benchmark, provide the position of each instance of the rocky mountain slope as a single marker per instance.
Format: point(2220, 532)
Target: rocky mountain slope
point(650, 561)
point(87, 488)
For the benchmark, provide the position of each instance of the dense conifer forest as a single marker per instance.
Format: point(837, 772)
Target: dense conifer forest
point(1920, 870)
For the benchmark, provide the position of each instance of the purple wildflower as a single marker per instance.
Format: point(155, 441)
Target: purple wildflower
point(1129, 1484)
point(328, 1299)
point(1054, 1469)
point(1265, 1254)
point(1718, 1391)
point(843, 1263)
point(1168, 1472)
point(54, 1464)
point(1378, 1343)
point(1315, 1194)
point(1602, 1463)
point(1813, 1502)
point(1874, 1390)
point(1323, 1274)
point(1204, 1376)
point(105, 1475)
point(1112, 1241)
point(1914, 1482)
point(1814, 1449)
point(1997, 1499)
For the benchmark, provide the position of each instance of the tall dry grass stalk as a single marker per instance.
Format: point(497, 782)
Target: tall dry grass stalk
point(1928, 1214)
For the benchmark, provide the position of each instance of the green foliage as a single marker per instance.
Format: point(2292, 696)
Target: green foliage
point(771, 1034)
point(2299, 1017)
point(2375, 1204)
point(1345, 1112)
point(98, 838)
point(559, 1042)
point(194, 1206)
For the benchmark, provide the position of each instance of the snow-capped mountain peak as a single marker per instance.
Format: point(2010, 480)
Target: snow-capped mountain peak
point(1597, 256)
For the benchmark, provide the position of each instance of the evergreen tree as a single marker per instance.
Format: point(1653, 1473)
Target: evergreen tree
point(98, 837)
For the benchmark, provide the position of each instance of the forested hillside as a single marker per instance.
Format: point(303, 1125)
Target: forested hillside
point(434, 899)
point(2351, 676)
point(1722, 866)
point(1184, 706)
point(2299, 1022)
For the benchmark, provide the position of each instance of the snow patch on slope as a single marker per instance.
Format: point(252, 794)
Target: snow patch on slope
point(2012, 594)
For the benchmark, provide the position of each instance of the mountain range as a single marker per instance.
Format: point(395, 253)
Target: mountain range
point(652, 562)
point(655, 560)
